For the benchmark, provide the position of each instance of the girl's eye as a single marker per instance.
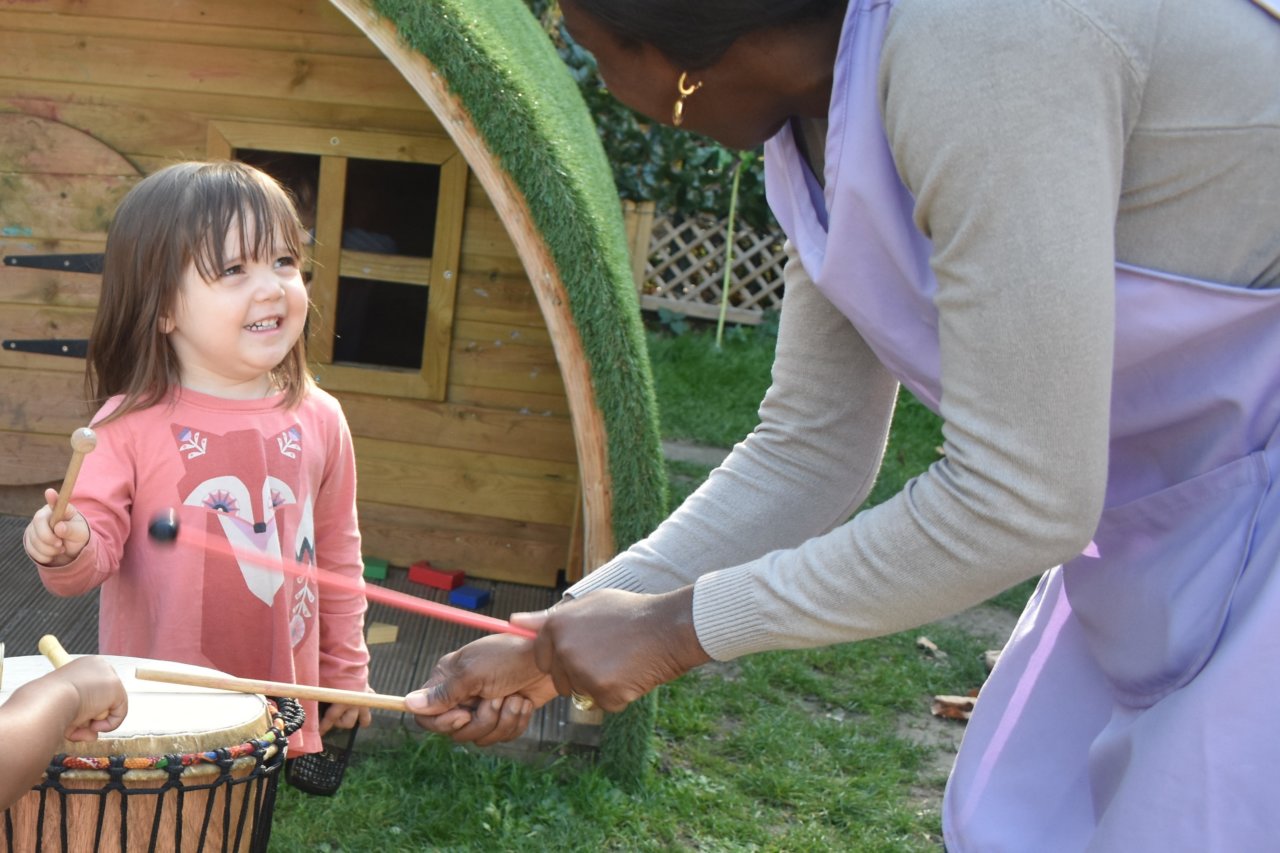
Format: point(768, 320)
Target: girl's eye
point(286, 261)
point(234, 269)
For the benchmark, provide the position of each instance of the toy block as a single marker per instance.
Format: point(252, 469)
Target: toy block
point(424, 573)
point(375, 568)
point(381, 632)
point(470, 597)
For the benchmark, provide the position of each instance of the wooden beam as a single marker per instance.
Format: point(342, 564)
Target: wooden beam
point(141, 64)
point(437, 347)
point(327, 255)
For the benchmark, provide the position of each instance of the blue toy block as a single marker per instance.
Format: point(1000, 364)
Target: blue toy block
point(470, 597)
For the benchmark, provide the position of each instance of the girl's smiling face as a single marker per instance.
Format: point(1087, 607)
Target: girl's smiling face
point(231, 332)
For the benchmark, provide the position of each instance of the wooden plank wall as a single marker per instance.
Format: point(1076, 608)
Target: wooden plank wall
point(486, 480)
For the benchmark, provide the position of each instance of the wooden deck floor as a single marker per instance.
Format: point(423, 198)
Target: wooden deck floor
point(28, 611)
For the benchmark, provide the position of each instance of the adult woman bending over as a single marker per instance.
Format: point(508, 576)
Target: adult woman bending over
point(1057, 222)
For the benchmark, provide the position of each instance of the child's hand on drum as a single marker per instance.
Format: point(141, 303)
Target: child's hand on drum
point(55, 542)
point(345, 717)
point(75, 701)
point(102, 701)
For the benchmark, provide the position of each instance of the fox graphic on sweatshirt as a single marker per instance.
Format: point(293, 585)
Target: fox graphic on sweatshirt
point(247, 484)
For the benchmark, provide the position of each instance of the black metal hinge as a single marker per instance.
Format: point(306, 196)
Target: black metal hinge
point(70, 347)
point(90, 262)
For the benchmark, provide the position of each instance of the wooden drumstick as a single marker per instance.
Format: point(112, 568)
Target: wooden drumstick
point(274, 688)
point(53, 650)
point(83, 441)
point(57, 655)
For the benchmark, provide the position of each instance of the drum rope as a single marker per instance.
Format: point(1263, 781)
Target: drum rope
point(266, 754)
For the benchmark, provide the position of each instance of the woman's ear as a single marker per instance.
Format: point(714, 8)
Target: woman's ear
point(166, 325)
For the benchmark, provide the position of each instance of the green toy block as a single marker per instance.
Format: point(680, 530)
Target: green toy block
point(375, 568)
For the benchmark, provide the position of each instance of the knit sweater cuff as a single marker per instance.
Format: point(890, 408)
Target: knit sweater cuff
point(616, 574)
point(726, 617)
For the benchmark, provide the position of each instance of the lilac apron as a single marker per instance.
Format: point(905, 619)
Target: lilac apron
point(1137, 704)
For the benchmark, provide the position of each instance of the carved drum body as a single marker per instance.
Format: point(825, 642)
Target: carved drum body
point(188, 769)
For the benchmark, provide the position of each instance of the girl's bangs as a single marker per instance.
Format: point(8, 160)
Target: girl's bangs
point(235, 204)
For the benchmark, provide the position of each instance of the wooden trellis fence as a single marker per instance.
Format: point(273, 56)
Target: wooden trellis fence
point(678, 264)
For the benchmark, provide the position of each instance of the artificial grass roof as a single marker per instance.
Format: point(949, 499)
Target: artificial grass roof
point(522, 100)
point(502, 67)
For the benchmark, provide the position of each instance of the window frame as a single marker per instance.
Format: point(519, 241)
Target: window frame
point(330, 261)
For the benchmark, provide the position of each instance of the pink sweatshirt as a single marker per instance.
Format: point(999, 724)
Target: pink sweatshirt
point(248, 473)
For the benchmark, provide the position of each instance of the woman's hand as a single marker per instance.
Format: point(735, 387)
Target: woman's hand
point(615, 646)
point(483, 693)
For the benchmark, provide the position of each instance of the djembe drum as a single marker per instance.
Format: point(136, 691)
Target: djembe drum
point(189, 769)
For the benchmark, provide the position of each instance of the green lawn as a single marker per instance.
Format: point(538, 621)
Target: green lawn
point(710, 396)
point(780, 751)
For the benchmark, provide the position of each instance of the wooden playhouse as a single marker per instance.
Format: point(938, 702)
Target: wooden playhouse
point(473, 302)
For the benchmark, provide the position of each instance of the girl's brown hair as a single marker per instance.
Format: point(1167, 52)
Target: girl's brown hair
point(175, 217)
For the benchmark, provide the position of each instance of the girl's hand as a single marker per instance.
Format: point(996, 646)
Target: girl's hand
point(338, 716)
point(101, 701)
point(55, 542)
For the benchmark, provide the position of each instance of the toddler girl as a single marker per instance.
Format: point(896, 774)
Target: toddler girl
point(197, 362)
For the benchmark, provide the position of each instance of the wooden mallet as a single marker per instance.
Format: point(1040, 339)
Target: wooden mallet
point(273, 688)
point(53, 650)
point(57, 655)
point(83, 441)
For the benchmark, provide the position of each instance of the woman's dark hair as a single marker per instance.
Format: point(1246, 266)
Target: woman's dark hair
point(694, 35)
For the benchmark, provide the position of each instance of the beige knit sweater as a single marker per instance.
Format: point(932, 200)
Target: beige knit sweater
point(1042, 140)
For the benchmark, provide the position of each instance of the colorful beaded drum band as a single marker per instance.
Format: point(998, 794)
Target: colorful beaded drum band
point(258, 747)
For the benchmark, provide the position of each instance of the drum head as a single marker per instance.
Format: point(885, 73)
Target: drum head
point(163, 718)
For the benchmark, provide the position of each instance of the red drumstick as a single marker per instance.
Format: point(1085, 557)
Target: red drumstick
point(164, 528)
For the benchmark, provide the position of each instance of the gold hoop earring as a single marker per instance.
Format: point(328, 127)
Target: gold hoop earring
point(685, 90)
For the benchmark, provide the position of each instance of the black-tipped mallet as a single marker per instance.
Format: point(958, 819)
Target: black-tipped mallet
point(164, 526)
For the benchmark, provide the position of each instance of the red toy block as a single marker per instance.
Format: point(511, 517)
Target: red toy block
point(424, 573)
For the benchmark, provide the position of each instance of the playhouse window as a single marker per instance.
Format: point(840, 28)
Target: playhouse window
point(385, 214)
point(383, 211)
point(379, 322)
